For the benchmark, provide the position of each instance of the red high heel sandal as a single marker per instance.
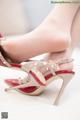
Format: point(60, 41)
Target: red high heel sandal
point(39, 75)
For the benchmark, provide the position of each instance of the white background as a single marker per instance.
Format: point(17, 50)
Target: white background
point(37, 10)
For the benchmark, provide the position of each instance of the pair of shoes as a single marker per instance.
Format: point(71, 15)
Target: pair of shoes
point(39, 74)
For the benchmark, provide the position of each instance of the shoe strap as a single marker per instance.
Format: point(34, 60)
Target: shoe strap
point(27, 66)
point(65, 61)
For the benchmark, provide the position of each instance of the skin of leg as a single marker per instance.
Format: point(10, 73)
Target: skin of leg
point(75, 38)
point(52, 35)
point(75, 31)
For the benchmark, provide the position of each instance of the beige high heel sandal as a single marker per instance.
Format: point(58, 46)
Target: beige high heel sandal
point(39, 75)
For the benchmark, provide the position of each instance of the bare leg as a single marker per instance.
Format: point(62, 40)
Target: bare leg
point(52, 35)
point(75, 31)
point(75, 38)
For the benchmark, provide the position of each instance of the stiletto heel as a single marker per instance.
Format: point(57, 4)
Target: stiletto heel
point(66, 79)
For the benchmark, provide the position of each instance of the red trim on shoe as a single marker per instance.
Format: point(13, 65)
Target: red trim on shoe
point(14, 82)
point(15, 65)
point(64, 72)
point(48, 76)
point(36, 78)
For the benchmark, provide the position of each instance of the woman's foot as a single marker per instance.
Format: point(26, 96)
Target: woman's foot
point(53, 35)
point(37, 42)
